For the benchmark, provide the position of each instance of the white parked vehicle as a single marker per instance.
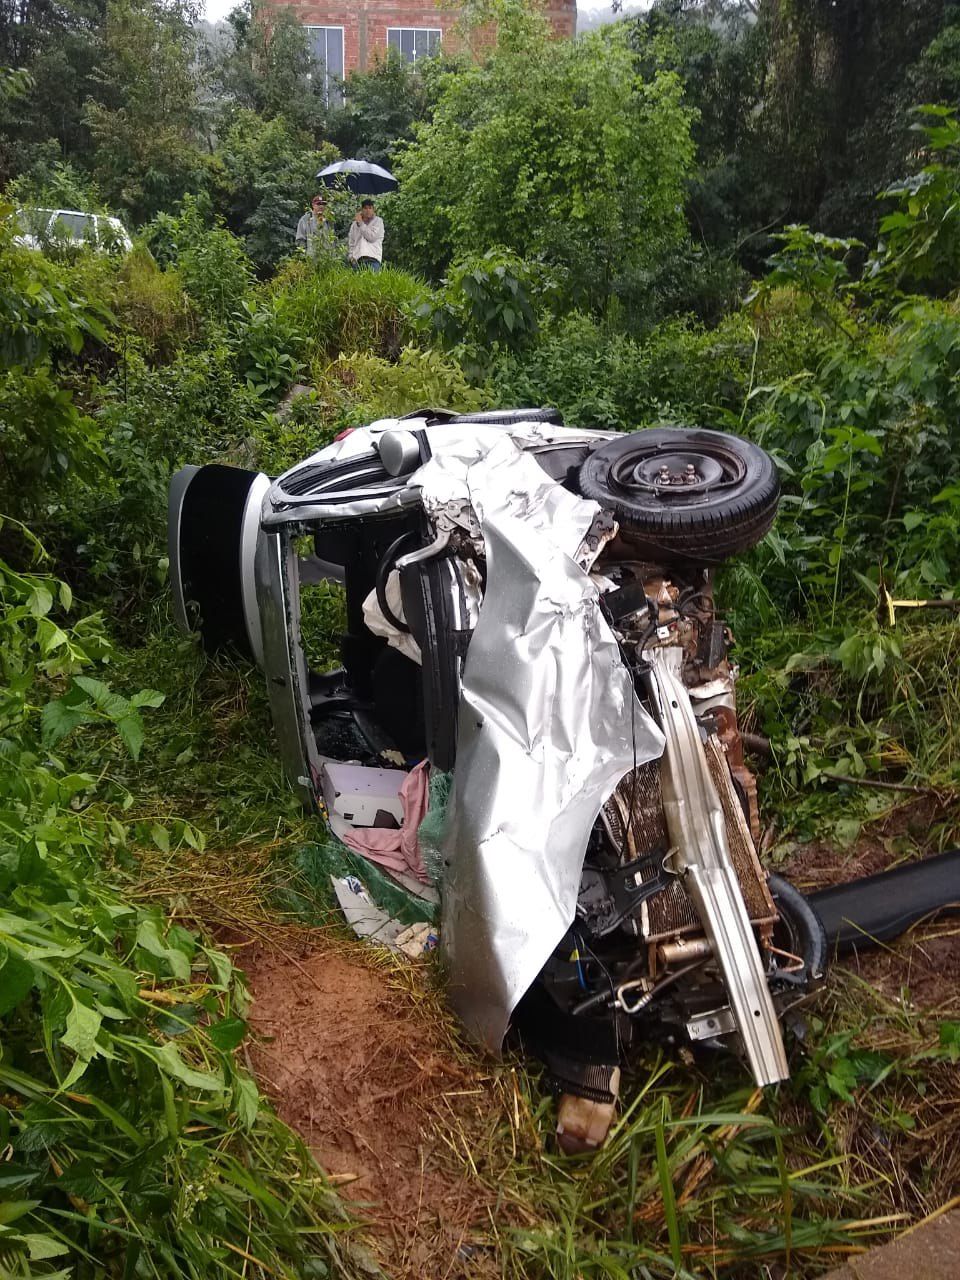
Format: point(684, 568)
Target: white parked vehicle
point(40, 228)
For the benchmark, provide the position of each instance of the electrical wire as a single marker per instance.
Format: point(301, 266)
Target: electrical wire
point(598, 962)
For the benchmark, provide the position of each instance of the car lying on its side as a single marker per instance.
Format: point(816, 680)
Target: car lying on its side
point(530, 609)
point(69, 228)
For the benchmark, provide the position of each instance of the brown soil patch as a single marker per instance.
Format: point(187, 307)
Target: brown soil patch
point(366, 1071)
point(922, 966)
point(881, 845)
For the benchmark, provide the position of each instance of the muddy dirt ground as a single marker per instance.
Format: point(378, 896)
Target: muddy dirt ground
point(922, 968)
point(362, 1062)
point(365, 1069)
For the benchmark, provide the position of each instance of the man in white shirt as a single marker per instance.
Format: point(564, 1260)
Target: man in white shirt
point(365, 239)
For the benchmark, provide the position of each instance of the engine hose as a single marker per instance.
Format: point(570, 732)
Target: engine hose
point(383, 569)
point(601, 997)
point(809, 927)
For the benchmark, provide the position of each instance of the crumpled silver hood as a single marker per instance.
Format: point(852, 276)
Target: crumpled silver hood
point(548, 720)
point(549, 723)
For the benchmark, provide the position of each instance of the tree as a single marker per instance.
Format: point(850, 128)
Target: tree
point(804, 108)
point(267, 66)
point(554, 149)
point(268, 173)
point(720, 53)
point(58, 44)
point(838, 99)
point(145, 120)
point(381, 106)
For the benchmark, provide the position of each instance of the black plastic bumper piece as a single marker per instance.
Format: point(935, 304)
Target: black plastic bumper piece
point(879, 908)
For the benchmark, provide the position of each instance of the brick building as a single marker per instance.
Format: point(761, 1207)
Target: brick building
point(348, 36)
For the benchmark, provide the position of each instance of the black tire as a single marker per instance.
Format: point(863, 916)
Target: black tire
point(204, 528)
point(726, 506)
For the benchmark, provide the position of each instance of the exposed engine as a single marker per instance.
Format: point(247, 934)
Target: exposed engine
point(638, 961)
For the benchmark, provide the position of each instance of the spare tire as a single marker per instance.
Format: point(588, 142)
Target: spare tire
point(690, 495)
point(213, 523)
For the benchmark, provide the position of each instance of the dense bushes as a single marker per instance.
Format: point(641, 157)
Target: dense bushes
point(133, 1141)
point(45, 440)
point(601, 378)
point(343, 311)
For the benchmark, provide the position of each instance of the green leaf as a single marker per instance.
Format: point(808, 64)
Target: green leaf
point(246, 1100)
point(11, 1210)
point(160, 837)
point(148, 698)
point(669, 1198)
point(149, 939)
point(169, 1060)
point(130, 729)
point(221, 964)
point(72, 784)
point(842, 1078)
point(40, 601)
point(14, 1176)
point(170, 1108)
point(103, 697)
point(57, 720)
point(51, 636)
point(227, 1033)
point(16, 979)
point(41, 1247)
point(83, 1025)
point(950, 1039)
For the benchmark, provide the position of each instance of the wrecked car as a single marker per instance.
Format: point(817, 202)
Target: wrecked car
point(530, 610)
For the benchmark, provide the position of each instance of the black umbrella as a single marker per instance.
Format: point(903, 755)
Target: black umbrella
point(359, 176)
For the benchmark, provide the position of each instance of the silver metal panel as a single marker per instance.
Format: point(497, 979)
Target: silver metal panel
point(278, 595)
point(455, 445)
point(249, 535)
point(695, 823)
point(549, 723)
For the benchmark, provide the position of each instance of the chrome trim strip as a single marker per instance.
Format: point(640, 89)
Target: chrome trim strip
point(695, 823)
point(249, 536)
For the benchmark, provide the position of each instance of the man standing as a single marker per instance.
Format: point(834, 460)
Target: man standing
point(313, 230)
point(365, 239)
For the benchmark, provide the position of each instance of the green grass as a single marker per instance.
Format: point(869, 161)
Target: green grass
point(699, 1167)
point(134, 1140)
point(341, 311)
point(725, 1178)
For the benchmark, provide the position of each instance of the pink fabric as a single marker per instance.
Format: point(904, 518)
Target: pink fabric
point(398, 849)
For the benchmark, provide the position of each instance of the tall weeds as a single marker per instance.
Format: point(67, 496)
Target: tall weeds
point(134, 1142)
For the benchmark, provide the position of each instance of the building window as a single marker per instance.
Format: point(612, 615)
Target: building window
point(414, 42)
point(326, 45)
